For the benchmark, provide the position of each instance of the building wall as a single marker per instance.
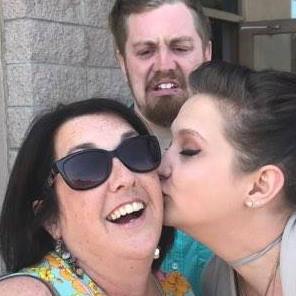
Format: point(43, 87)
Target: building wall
point(3, 134)
point(254, 10)
point(54, 51)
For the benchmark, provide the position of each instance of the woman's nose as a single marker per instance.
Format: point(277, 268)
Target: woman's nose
point(121, 177)
point(164, 170)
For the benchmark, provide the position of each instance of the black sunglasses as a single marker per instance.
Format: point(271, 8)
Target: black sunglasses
point(89, 168)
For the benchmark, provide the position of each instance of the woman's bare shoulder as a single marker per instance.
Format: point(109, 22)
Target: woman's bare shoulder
point(23, 286)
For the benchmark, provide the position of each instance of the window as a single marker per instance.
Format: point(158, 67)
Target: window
point(225, 40)
point(226, 5)
point(293, 9)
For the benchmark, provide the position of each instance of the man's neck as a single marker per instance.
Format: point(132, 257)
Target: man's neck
point(162, 133)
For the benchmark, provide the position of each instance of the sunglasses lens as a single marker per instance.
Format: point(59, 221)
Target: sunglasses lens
point(140, 154)
point(86, 170)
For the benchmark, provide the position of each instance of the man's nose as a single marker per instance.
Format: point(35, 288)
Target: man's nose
point(165, 61)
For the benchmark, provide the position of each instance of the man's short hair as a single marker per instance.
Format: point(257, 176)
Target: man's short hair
point(122, 9)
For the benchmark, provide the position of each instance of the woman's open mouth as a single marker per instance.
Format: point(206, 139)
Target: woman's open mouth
point(127, 212)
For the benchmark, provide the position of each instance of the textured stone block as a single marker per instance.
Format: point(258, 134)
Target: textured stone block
point(96, 12)
point(107, 83)
point(18, 41)
point(19, 85)
point(55, 10)
point(44, 42)
point(100, 48)
point(18, 121)
point(45, 85)
point(53, 84)
point(13, 8)
point(12, 154)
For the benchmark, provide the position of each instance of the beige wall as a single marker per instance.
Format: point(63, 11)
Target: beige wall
point(258, 10)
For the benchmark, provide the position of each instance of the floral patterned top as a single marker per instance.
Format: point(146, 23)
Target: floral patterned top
point(62, 281)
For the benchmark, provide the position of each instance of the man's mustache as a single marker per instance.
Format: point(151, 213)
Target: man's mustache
point(175, 76)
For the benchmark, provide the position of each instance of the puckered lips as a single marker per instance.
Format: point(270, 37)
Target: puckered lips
point(127, 212)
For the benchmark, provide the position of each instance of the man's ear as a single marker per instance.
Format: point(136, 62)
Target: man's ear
point(121, 61)
point(265, 186)
point(208, 52)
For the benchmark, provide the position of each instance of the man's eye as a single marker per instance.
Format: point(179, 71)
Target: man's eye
point(180, 49)
point(190, 152)
point(145, 53)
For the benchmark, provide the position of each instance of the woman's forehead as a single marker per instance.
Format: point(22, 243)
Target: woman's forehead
point(103, 131)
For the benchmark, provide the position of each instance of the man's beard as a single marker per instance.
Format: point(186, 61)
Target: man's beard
point(162, 110)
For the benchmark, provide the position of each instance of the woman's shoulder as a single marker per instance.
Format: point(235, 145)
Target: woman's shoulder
point(173, 283)
point(23, 285)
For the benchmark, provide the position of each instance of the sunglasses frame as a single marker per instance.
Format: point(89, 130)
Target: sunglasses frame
point(58, 165)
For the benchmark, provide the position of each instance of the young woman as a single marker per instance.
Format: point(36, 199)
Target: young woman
point(229, 178)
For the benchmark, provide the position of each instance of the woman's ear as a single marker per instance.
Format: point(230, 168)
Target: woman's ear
point(53, 228)
point(266, 185)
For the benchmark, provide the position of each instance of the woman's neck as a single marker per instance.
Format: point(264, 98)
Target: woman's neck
point(238, 235)
point(122, 277)
point(233, 238)
point(261, 277)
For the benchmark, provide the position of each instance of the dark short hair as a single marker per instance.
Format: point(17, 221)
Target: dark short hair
point(259, 111)
point(122, 9)
point(23, 239)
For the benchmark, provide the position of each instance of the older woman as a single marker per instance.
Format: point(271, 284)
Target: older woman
point(83, 210)
point(229, 178)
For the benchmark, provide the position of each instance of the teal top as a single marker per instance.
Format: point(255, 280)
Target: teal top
point(188, 257)
point(58, 276)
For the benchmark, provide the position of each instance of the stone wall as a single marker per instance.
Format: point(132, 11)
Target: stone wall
point(55, 51)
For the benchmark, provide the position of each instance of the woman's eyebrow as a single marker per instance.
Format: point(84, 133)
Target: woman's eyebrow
point(129, 134)
point(90, 145)
point(82, 146)
point(194, 133)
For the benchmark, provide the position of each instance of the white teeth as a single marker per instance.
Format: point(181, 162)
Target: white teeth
point(126, 209)
point(129, 209)
point(166, 85)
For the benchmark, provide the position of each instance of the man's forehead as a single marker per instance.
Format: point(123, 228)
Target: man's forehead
point(175, 18)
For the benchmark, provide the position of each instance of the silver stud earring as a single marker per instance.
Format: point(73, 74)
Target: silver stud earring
point(250, 203)
point(156, 253)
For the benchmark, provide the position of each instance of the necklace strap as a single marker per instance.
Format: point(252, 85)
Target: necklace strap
point(253, 257)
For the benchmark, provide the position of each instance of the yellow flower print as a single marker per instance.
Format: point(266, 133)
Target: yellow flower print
point(45, 274)
point(78, 286)
point(53, 261)
point(66, 273)
point(175, 284)
point(94, 288)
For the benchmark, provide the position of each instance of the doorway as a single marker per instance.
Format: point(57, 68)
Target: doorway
point(268, 45)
